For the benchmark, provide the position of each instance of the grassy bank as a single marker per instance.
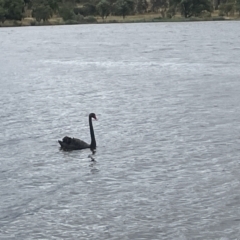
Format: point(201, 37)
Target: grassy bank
point(138, 18)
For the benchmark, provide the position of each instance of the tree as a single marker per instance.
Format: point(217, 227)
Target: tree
point(13, 9)
point(141, 6)
point(90, 9)
point(123, 7)
point(54, 5)
point(216, 3)
point(2, 12)
point(42, 13)
point(226, 8)
point(43, 9)
point(66, 12)
point(191, 8)
point(104, 8)
point(86, 10)
point(237, 6)
point(159, 4)
point(173, 7)
point(28, 4)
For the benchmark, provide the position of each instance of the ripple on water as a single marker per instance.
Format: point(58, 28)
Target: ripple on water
point(166, 165)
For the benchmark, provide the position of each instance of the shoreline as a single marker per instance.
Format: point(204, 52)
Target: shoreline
point(147, 18)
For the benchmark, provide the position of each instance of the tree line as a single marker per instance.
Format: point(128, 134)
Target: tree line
point(42, 10)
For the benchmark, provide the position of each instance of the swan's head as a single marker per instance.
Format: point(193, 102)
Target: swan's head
point(93, 115)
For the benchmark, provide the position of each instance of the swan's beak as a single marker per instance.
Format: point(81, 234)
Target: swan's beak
point(95, 118)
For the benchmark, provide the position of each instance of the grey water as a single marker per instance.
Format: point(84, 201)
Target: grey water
point(168, 132)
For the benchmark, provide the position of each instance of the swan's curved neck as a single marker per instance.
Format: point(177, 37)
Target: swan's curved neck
point(93, 141)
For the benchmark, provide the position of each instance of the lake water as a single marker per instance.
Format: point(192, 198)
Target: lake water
point(168, 132)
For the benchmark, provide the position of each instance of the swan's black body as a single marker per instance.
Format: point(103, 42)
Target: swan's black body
point(68, 143)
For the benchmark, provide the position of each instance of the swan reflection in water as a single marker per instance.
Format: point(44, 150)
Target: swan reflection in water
point(93, 162)
point(91, 155)
point(69, 143)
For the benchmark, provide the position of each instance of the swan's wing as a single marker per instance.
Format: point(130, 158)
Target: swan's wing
point(73, 144)
point(80, 143)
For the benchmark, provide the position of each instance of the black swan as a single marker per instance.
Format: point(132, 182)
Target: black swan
point(68, 143)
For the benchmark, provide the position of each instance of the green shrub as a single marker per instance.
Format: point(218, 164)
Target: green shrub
point(90, 19)
point(221, 14)
point(205, 14)
point(86, 10)
point(42, 13)
point(71, 21)
point(113, 21)
point(13, 9)
point(226, 8)
point(33, 23)
point(79, 18)
point(17, 23)
point(123, 7)
point(2, 13)
point(237, 6)
point(66, 13)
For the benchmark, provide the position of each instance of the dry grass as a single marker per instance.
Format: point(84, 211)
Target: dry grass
point(132, 18)
point(148, 17)
point(28, 22)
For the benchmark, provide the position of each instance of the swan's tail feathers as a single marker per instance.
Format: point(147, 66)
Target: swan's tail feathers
point(61, 143)
point(64, 146)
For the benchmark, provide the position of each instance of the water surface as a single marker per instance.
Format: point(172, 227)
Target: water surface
point(167, 100)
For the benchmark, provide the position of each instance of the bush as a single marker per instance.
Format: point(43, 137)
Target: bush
point(113, 21)
point(237, 6)
point(221, 14)
point(226, 8)
point(90, 9)
point(79, 18)
point(205, 15)
point(80, 10)
point(71, 21)
point(86, 10)
point(90, 19)
point(17, 23)
point(14, 9)
point(33, 23)
point(66, 13)
point(2, 14)
point(123, 7)
point(42, 13)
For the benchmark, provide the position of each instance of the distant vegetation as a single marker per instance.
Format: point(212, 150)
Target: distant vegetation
point(87, 11)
